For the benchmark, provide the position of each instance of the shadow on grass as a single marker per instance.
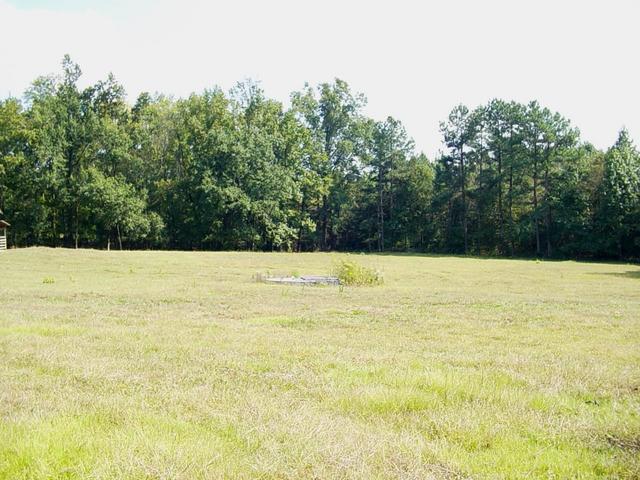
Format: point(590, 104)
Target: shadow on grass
point(627, 274)
point(597, 261)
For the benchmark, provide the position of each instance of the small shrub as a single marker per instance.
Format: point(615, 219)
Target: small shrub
point(351, 273)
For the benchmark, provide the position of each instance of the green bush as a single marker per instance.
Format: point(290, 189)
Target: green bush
point(351, 273)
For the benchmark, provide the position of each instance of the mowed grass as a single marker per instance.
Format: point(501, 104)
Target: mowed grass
point(178, 365)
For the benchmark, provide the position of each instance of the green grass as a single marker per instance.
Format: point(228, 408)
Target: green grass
point(179, 365)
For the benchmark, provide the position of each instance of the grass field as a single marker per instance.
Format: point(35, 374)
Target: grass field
point(178, 365)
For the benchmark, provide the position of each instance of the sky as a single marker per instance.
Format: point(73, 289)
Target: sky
point(414, 60)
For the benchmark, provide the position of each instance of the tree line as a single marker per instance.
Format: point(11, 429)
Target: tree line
point(237, 170)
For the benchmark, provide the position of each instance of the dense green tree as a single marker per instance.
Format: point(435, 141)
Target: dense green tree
point(391, 148)
point(501, 183)
point(237, 170)
point(333, 114)
point(16, 177)
point(413, 223)
point(459, 132)
point(116, 209)
point(574, 203)
point(620, 198)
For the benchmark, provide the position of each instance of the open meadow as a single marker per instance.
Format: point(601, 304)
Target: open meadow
point(164, 365)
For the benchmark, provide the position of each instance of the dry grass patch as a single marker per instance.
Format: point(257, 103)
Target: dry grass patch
point(179, 365)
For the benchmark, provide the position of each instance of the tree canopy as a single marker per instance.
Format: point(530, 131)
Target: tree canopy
point(237, 170)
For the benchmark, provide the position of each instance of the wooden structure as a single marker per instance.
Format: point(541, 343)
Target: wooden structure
point(3, 234)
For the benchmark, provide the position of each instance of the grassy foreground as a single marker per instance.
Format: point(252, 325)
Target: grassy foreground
point(178, 365)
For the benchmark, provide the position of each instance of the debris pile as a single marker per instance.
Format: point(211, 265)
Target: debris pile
point(304, 280)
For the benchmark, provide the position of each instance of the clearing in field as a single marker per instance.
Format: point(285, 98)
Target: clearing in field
point(179, 365)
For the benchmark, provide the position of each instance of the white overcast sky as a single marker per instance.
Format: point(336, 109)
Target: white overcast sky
point(413, 60)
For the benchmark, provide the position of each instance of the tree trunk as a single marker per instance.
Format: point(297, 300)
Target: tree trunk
point(535, 202)
point(119, 236)
point(53, 229)
point(620, 254)
point(299, 239)
point(500, 206)
point(464, 199)
point(380, 213)
point(511, 160)
point(449, 222)
point(324, 227)
point(548, 215)
point(511, 239)
point(77, 226)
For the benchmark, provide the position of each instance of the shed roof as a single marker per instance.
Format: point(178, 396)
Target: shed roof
point(4, 224)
